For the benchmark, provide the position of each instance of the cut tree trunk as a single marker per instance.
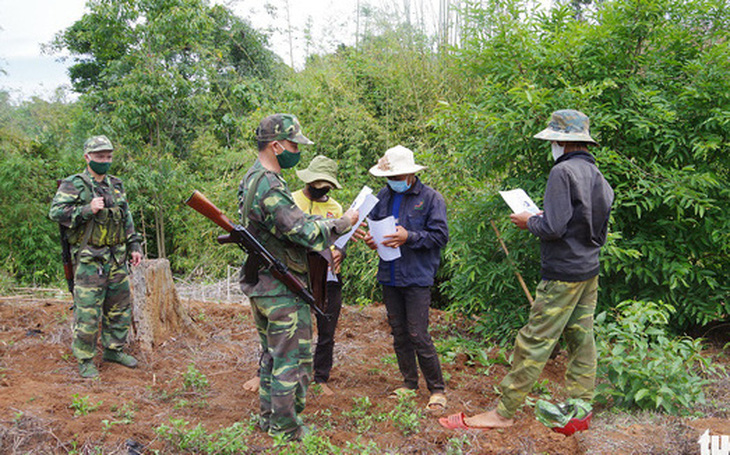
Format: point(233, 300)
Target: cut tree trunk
point(157, 312)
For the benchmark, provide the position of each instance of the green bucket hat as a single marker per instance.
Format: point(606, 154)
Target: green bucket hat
point(97, 144)
point(567, 125)
point(321, 168)
point(281, 126)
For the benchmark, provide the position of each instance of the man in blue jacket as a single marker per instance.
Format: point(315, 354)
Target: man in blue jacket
point(421, 232)
point(572, 229)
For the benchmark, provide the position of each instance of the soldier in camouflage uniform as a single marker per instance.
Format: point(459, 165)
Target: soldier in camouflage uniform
point(572, 229)
point(93, 206)
point(283, 320)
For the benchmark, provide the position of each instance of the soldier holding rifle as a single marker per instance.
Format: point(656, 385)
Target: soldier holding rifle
point(283, 319)
point(93, 207)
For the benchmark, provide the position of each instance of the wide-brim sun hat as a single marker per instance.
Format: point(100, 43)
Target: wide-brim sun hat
point(567, 125)
point(320, 169)
point(396, 161)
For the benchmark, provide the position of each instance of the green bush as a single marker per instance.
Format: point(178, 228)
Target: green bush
point(643, 366)
point(230, 440)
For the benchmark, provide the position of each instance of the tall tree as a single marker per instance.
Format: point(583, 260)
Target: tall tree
point(159, 73)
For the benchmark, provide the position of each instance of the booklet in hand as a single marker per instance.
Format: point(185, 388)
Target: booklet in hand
point(519, 201)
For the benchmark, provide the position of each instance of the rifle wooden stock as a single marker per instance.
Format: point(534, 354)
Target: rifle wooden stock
point(239, 235)
point(206, 208)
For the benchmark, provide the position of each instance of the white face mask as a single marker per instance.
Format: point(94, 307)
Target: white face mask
point(558, 150)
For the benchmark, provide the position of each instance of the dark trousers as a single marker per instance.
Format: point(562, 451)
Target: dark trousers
point(408, 318)
point(324, 351)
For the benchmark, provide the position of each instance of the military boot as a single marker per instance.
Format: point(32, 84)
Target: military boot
point(120, 358)
point(87, 369)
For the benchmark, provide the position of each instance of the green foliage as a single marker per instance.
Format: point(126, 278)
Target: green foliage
point(362, 415)
point(82, 405)
point(33, 139)
point(194, 380)
point(230, 440)
point(662, 124)
point(645, 367)
point(406, 415)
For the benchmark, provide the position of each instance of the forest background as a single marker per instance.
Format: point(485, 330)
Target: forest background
point(180, 85)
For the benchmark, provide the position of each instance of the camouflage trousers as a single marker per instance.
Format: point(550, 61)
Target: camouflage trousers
point(284, 324)
point(560, 307)
point(101, 294)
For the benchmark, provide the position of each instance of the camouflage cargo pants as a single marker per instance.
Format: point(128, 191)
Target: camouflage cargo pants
point(101, 293)
point(284, 325)
point(560, 308)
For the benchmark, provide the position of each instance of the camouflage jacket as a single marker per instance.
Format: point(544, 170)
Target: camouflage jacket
point(281, 227)
point(71, 207)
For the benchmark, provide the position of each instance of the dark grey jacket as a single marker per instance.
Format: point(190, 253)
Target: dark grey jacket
point(574, 225)
point(423, 215)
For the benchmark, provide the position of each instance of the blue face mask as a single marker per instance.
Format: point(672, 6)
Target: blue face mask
point(399, 186)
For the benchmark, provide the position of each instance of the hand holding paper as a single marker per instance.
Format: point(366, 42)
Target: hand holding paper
point(379, 229)
point(363, 203)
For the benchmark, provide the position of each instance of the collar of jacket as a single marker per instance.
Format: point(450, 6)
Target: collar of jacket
point(580, 154)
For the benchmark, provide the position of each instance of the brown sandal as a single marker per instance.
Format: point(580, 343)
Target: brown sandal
point(436, 404)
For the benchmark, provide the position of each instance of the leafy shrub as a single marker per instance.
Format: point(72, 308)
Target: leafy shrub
point(82, 405)
point(230, 440)
point(194, 380)
point(644, 367)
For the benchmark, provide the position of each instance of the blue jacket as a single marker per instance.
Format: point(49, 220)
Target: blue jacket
point(423, 214)
point(575, 223)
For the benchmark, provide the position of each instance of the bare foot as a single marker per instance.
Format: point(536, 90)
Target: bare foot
point(489, 419)
point(252, 385)
point(326, 389)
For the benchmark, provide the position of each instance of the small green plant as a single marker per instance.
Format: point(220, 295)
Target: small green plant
point(457, 444)
point(645, 367)
point(227, 441)
point(389, 360)
point(124, 414)
point(82, 405)
point(361, 414)
point(315, 444)
point(194, 380)
point(406, 415)
point(359, 448)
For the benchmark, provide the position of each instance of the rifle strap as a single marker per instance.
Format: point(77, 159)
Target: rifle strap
point(250, 193)
point(89, 225)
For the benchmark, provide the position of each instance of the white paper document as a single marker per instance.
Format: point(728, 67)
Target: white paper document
point(379, 229)
point(519, 201)
point(364, 202)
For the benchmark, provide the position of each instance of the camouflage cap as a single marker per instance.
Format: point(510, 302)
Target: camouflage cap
point(281, 126)
point(97, 144)
point(321, 168)
point(567, 125)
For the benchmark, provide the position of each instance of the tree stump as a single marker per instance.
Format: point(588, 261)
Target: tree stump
point(157, 312)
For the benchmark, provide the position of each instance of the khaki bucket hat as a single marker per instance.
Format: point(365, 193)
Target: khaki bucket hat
point(396, 161)
point(567, 125)
point(321, 168)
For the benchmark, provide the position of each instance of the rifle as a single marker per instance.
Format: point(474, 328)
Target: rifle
point(68, 265)
point(242, 237)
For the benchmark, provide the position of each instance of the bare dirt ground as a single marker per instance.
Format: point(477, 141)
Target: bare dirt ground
point(41, 392)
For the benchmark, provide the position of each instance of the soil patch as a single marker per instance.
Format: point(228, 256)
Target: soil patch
point(43, 399)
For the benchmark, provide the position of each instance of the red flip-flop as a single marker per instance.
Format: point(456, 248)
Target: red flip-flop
point(456, 422)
